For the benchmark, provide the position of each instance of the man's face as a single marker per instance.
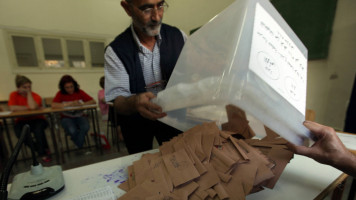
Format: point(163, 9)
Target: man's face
point(147, 16)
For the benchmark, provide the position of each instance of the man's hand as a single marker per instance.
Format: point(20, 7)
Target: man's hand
point(146, 108)
point(72, 103)
point(327, 149)
point(139, 103)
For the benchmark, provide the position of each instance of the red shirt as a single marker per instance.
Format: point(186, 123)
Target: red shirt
point(17, 99)
point(80, 95)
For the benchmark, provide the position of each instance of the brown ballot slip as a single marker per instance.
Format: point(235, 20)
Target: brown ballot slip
point(206, 163)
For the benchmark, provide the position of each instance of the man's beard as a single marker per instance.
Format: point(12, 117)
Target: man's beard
point(152, 28)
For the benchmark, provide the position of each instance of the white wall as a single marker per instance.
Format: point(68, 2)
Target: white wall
point(72, 17)
point(96, 18)
point(329, 81)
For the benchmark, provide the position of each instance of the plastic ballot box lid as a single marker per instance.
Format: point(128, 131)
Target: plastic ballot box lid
point(247, 56)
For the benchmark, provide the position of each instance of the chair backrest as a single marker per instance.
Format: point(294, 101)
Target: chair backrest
point(3, 105)
point(310, 115)
point(47, 101)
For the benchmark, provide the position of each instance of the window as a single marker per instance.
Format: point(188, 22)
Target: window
point(75, 51)
point(56, 52)
point(25, 51)
point(97, 52)
point(52, 53)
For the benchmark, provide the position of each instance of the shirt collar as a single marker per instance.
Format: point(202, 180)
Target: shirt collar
point(137, 40)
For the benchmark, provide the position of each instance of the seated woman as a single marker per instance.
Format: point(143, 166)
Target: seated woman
point(24, 99)
point(73, 122)
point(104, 107)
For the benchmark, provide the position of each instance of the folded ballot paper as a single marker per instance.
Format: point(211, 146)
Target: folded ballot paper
point(207, 163)
point(246, 56)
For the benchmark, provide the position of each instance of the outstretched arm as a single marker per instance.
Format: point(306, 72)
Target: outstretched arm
point(327, 149)
point(139, 103)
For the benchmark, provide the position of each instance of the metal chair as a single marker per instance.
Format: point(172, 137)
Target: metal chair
point(47, 103)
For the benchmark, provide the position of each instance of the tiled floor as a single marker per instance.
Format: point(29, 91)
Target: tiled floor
point(74, 158)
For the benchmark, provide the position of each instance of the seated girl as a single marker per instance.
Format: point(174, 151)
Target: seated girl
point(24, 99)
point(104, 107)
point(73, 122)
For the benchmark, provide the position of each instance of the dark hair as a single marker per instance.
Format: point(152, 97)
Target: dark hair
point(20, 80)
point(67, 79)
point(102, 82)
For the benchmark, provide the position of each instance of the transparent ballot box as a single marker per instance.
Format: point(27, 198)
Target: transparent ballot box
point(246, 56)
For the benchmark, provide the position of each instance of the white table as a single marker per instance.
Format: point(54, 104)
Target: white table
point(85, 179)
point(303, 178)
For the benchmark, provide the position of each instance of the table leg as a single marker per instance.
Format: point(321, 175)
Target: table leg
point(54, 140)
point(116, 130)
point(94, 127)
point(59, 139)
point(8, 135)
point(98, 136)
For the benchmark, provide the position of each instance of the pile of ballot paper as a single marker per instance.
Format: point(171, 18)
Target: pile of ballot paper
point(207, 163)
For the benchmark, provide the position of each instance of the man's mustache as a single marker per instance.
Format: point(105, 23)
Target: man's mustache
point(154, 23)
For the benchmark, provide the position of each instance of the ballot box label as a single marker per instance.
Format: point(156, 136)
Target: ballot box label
point(277, 60)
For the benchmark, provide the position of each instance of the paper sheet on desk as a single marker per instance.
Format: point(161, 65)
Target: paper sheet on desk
point(5, 112)
point(104, 193)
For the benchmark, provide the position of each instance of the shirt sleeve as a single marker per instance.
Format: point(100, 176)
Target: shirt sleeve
point(37, 99)
point(116, 78)
point(185, 37)
point(57, 98)
point(12, 100)
point(85, 96)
